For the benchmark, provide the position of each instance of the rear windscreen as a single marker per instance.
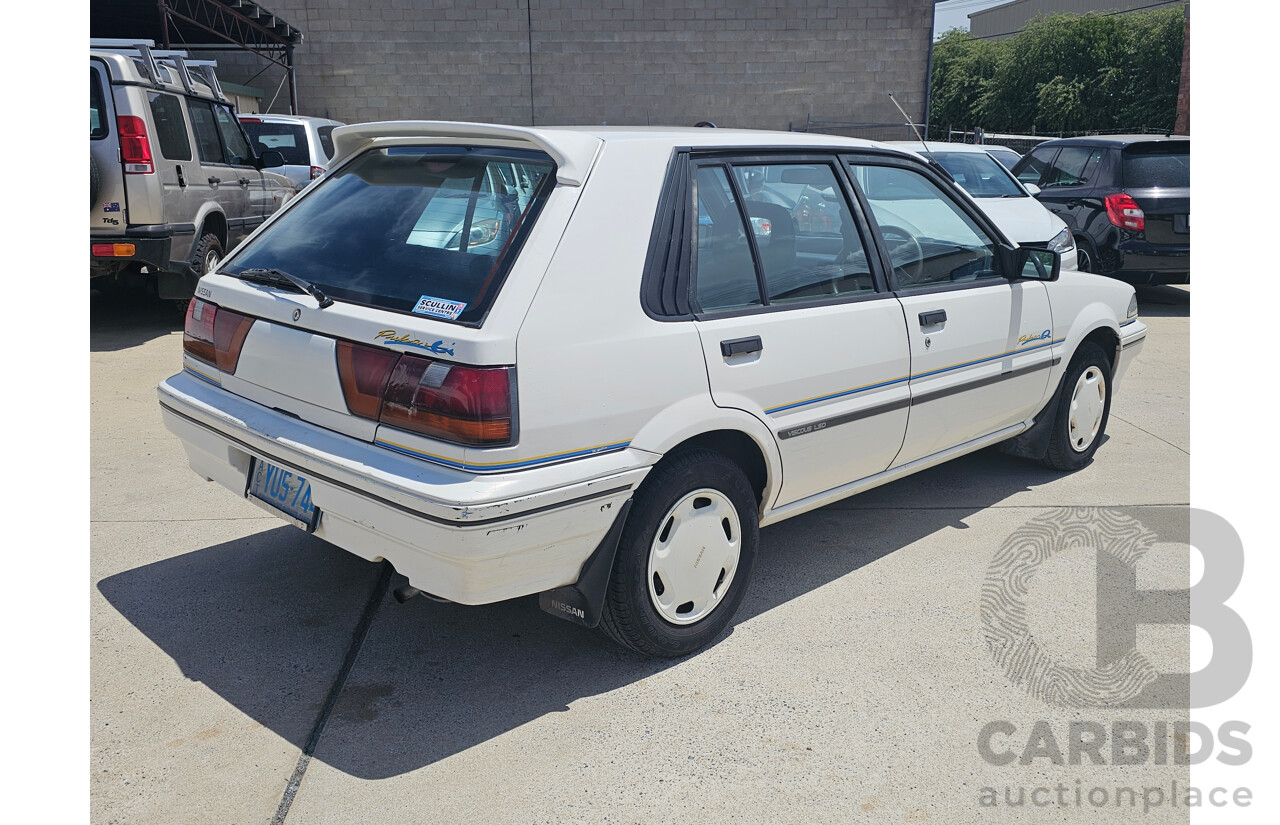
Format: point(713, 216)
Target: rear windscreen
point(980, 174)
point(288, 139)
point(1150, 165)
point(426, 230)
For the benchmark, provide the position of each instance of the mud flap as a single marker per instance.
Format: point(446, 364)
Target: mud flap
point(1034, 442)
point(583, 602)
point(177, 283)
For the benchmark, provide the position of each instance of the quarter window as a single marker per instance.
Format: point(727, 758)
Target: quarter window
point(97, 108)
point(931, 241)
point(326, 141)
point(171, 127)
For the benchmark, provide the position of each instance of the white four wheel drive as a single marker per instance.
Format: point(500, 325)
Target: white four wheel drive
point(590, 363)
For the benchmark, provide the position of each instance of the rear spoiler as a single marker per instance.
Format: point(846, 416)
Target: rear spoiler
point(573, 152)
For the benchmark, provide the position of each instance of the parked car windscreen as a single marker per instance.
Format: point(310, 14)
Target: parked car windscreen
point(980, 174)
point(427, 230)
point(1150, 165)
point(288, 139)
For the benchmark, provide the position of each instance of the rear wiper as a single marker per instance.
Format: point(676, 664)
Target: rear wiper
point(279, 277)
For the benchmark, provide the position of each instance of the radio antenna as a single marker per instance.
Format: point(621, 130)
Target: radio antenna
point(910, 123)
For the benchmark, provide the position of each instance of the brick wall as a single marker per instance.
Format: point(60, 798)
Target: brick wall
point(744, 63)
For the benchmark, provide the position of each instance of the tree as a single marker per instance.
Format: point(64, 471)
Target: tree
point(1093, 72)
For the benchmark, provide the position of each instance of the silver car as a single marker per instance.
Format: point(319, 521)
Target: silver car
point(173, 180)
point(305, 142)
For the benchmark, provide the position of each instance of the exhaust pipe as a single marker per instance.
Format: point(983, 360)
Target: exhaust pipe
point(405, 592)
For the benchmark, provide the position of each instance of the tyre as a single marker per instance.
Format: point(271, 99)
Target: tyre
point(1086, 259)
point(1083, 409)
point(685, 556)
point(206, 255)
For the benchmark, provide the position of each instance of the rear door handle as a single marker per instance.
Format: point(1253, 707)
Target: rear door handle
point(937, 316)
point(215, 181)
point(741, 346)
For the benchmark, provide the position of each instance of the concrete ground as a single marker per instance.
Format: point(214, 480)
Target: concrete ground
point(244, 672)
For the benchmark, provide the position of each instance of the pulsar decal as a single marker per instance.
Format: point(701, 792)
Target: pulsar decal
point(1031, 339)
point(393, 337)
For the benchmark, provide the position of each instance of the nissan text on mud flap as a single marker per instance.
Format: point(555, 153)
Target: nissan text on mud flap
point(590, 363)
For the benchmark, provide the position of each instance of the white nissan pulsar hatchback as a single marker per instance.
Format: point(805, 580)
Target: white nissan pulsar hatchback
point(590, 363)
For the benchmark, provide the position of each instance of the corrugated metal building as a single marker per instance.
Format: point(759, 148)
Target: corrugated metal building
point(1009, 19)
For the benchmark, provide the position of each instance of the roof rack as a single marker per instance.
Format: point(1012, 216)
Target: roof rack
point(151, 59)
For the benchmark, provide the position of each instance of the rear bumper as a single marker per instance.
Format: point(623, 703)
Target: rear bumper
point(466, 537)
point(1142, 262)
point(152, 251)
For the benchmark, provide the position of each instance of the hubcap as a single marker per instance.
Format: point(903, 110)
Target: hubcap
point(694, 556)
point(1088, 403)
point(211, 262)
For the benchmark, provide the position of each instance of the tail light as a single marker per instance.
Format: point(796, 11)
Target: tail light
point(135, 146)
point(451, 402)
point(1124, 212)
point(214, 335)
point(113, 250)
point(316, 171)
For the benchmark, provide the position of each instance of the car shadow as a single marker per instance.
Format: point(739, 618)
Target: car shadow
point(434, 679)
point(1163, 302)
point(124, 318)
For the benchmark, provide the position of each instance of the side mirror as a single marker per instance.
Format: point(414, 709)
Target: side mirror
point(1032, 189)
point(1026, 263)
point(270, 159)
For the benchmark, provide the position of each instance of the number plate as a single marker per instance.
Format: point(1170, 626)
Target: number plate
point(284, 492)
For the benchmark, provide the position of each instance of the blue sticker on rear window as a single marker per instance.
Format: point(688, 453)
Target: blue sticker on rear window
point(439, 307)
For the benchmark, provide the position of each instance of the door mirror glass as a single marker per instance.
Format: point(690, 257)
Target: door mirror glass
point(270, 159)
point(1032, 189)
point(1037, 264)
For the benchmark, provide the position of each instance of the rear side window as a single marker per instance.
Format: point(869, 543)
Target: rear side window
point(1149, 165)
point(326, 141)
point(288, 139)
point(426, 230)
point(171, 126)
point(98, 127)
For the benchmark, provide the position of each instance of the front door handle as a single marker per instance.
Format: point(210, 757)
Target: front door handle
point(937, 316)
point(244, 181)
point(741, 346)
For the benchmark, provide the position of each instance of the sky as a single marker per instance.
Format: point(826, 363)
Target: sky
point(954, 14)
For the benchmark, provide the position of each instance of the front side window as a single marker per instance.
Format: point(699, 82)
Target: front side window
point(931, 241)
point(426, 230)
point(171, 126)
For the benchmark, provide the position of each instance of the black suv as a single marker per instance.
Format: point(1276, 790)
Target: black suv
point(1126, 198)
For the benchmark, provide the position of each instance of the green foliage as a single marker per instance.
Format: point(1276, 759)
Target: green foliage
point(1062, 73)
